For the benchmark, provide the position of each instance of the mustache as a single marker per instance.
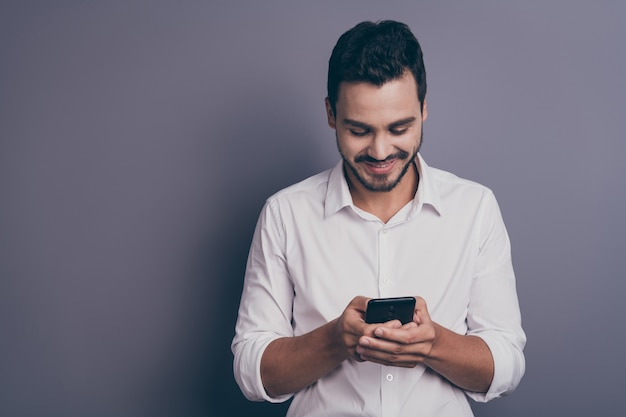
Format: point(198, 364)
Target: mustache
point(367, 158)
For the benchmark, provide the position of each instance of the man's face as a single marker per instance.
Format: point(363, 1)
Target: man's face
point(379, 130)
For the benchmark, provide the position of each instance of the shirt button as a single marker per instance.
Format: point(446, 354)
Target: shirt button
point(384, 231)
point(389, 377)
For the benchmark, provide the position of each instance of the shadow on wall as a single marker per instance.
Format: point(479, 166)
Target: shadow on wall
point(259, 151)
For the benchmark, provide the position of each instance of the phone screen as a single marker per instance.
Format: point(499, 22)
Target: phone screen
point(381, 310)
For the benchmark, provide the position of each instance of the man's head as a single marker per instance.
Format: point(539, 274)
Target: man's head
point(376, 104)
point(375, 53)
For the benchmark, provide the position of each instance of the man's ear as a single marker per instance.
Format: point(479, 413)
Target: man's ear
point(329, 114)
point(424, 111)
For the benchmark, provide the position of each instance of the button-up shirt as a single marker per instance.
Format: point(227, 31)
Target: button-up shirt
point(313, 251)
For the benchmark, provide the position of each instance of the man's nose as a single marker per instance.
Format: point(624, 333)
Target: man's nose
point(380, 147)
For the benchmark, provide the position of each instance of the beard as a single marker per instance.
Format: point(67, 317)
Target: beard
point(380, 183)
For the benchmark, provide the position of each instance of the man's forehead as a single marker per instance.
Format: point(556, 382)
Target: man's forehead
point(393, 100)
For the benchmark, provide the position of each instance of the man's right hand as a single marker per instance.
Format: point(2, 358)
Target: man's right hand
point(351, 326)
point(290, 364)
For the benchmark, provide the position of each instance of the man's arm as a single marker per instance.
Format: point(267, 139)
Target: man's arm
point(290, 364)
point(465, 361)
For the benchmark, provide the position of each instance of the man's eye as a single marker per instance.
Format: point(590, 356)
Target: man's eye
point(399, 132)
point(359, 132)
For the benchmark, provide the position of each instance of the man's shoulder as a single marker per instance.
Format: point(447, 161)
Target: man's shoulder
point(446, 178)
point(442, 180)
point(454, 190)
point(312, 187)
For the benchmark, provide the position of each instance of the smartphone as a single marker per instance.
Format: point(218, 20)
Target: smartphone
point(381, 310)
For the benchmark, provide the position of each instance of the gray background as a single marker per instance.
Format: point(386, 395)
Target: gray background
point(139, 139)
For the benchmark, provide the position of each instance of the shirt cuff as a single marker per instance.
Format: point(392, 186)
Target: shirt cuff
point(248, 372)
point(509, 367)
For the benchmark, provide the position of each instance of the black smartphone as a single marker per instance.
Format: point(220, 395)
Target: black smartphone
point(381, 310)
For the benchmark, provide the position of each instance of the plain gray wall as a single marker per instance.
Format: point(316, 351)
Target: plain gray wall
point(139, 139)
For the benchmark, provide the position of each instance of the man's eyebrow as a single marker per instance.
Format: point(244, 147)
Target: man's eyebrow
point(356, 124)
point(392, 125)
point(403, 122)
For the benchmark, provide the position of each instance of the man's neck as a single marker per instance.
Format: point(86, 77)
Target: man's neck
point(384, 205)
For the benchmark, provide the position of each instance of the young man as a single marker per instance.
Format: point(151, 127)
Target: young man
point(381, 223)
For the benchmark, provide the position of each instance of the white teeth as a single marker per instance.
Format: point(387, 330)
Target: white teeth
point(381, 165)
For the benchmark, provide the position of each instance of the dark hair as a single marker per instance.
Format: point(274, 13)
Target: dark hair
point(376, 53)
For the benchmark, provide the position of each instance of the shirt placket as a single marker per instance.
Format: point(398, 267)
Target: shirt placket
point(390, 389)
point(388, 374)
point(384, 267)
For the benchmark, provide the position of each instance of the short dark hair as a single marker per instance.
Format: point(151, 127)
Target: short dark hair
point(375, 53)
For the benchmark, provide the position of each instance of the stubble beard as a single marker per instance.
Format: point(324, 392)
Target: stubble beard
point(380, 183)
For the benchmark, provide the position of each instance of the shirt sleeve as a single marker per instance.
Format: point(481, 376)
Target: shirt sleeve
point(265, 309)
point(493, 312)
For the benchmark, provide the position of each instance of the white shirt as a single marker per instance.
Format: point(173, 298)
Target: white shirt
point(313, 251)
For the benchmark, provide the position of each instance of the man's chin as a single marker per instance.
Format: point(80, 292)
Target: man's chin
point(378, 185)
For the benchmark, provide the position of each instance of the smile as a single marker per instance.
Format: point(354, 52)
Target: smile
point(380, 168)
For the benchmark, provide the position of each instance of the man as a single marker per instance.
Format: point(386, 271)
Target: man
point(381, 223)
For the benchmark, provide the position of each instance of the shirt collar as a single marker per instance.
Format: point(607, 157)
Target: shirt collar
point(427, 193)
point(338, 194)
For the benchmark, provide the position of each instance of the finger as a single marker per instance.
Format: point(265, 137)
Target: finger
point(374, 345)
point(398, 358)
point(409, 325)
point(408, 362)
point(408, 334)
point(360, 303)
point(393, 324)
point(421, 315)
